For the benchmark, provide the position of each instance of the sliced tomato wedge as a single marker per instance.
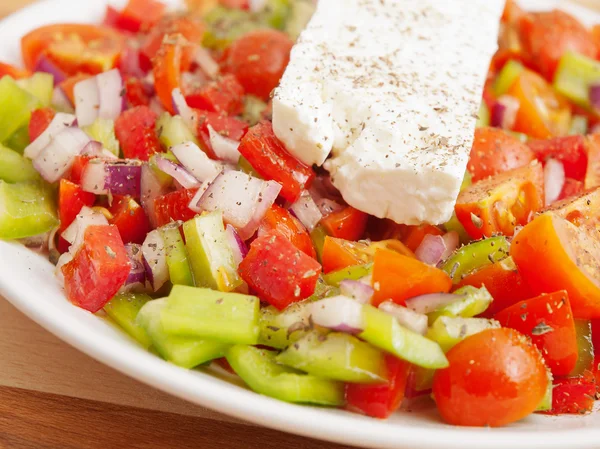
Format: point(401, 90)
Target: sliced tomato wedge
point(174, 206)
point(279, 221)
point(136, 132)
point(130, 219)
point(40, 119)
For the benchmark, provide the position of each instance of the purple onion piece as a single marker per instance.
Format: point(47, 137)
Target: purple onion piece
point(124, 179)
point(44, 64)
point(431, 250)
point(177, 172)
point(594, 95)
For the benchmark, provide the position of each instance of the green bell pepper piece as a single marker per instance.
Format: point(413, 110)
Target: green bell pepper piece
point(354, 273)
point(19, 140)
point(257, 367)
point(574, 76)
point(172, 131)
point(177, 260)
point(103, 131)
point(585, 347)
point(508, 75)
point(40, 85)
point(475, 256)
point(281, 329)
point(124, 309)
point(225, 25)
point(317, 236)
point(483, 116)
point(181, 351)
point(275, 14)
point(335, 356)
point(383, 331)
point(203, 313)
point(16, 105)
point(546, 403)
point(449, 331)
point(323, 290)
point(470, 302)
point(26, 209)
point(209, 253)
point(16, 168)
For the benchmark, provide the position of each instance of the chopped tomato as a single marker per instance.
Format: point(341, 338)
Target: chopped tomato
point(581, 210)
point(348, 223)
point(380, 400)
point(339, 254)
point(73, 48)
point(570, 150)
point(171, 61)
point(174, 206)
point(279, 221)
point(553, 254)
point(235, 4)
point(98, 270)
point(546, 36)
point(574, 395)
point(494, 151)
point(548, 321)
point(138, 13)
point(503, 281)
point(399, 277)
point(542, 112)
point(414, 235)
point(71, 198)
point(130, 219)
point(225, 95)
point(267, 155)
point(279, 272)
point(230, 127)
point(135, 93)
point(571, 188)
point(40, 119)
point(68, 85)
point(498, 204)
point(258, 60)
point(12, 71)
point(136, 132)
point(592, 173)
point(78, 167)
point(495, 377)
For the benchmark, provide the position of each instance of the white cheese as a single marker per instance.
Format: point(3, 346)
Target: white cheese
point(391, 88)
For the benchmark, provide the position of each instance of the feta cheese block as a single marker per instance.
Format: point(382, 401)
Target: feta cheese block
point(391, 89)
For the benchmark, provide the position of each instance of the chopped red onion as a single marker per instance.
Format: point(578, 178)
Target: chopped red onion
point(59, 123)
point(206, 62)
point(451, 240)
point(178, 172)
point(327, 206)
point(61, 101)
point(357, 290)
point(504, 112)
point(244, 200)
point(431, 250)
point(339, 313)
point(196, 198)
point(75, 232)
point(594, 95)
point(46, 65)
point(196, 161)
point(189, 115)
point(554, 180)
point(94, 178)
point(410, 319)
point(87, 101)
point(155, 260)
point(137, 276)
point(151, 188)
point(306, 210)
point(58, 156)
point(237, 244)
point(93, 148)
point(225, 148)
point(430, 302)
point(110, 90)
point(123, 179)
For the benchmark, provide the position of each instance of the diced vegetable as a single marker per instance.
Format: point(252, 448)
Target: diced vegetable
point(476, 256)
point(177, 260)
point(449, 331)
point(16, 105)
point(103, 131)
point(19, 140)
point(204, 313)
point(470, 302)
point(335, 356)
point(353, 273)
point(257, 367)
point(124, 309)
point(483, 116)
point(575, 75)
point(40, 85)
point(173, 131)
point(585, 348)
point(131, 220)
point(508, 75)
point(281, 329)
point(348, 223)
point(15, 168)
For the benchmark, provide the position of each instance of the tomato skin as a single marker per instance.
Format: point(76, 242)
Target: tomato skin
point(135, 131)
point(71, 198)
point(98, 270)
point(12, 71)
point(348, 223)
point(279, 272)
point(230, 127)
point(225, 95)
point(380, 401)
point(495, 377)
point(495, 151)
point(498, 204)
point(130, 219)
point(505, 284)
point(399, 277)
point(174, 206)
point(267, 155)
point(570, 150)
point(135, 93)
point(339, 254)
point(73, 48)
point(547, 36)
point(558, 345)
point(553, 254)
point(573, 395)
point(258, 60)
point(40, 119)
point(279, 221)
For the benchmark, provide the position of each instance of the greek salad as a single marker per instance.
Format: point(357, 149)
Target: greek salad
point(215, 221)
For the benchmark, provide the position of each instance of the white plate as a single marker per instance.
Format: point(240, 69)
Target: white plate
point(27, 281)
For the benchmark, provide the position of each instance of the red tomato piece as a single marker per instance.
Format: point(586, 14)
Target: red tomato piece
point(130, 219)
point(570, 150)
point(230, 127)
point(78, 167)
point(380, 401)
point(135, 93)
point(548, 321)
point(258, 60)
point(339, 254)
point(571, 188)
point(235, 4)
point(12, 71)
point(136, 132)
point(494, 151)
point(71, 198)
point(138, 13)
point(279, 272)
point(495, 377)
point(40, 119)
point(399, 277)
point(547, 36)
point(174, 206)
point(98, 270)
point(348, 223)
point(575, 396)
point(224, 95)
point(279, 221)
point(413, 235)
point(267, 155)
